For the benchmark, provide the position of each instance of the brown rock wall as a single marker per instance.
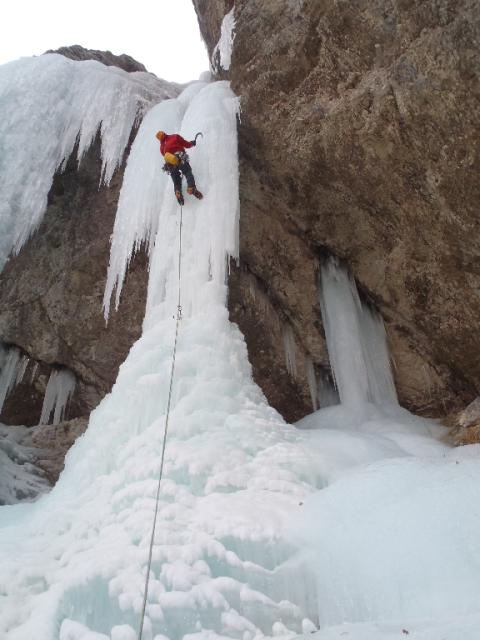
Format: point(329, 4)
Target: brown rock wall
point(360, 137)
point(51, 294)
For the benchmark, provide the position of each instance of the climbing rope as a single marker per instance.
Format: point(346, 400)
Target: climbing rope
point(179, 317)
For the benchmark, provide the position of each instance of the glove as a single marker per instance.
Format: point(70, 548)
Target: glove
point(193, 143)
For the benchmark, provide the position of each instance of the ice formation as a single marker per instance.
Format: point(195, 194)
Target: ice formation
point(356, 341)
point(48, 104)
point(224, 47)
point(255, 515)
point(290, 349)
point(12, 369)
point(60, 388)
point(322, 391)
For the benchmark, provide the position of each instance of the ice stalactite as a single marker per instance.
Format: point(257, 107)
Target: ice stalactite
point(322, 391)
point(60, 388)
point(290, 349)
point(48, 105)
point(356, 341)
point(12, 370)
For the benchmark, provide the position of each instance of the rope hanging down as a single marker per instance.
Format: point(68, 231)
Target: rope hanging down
point(179, 317)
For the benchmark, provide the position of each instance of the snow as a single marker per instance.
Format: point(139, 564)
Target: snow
point(359, 518)
point(48, 104)
point(60, 388)
point(405, 558)
point(223, 48)
point(461, 628)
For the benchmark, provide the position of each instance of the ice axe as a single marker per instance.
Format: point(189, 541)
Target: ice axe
point(198, 134)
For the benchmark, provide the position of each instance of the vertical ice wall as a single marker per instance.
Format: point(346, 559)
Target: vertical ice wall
point(48, 105)
point(356, 341)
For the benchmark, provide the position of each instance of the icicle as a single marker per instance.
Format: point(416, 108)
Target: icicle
point(356, 341)
point(290, 350)
point(22, 367)
point(60, 388)
point(380, 380)
point(312, 383)
point(34, 372)
point(12, 372)
point(48, 104)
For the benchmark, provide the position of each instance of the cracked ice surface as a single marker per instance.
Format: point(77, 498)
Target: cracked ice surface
point(47, 104)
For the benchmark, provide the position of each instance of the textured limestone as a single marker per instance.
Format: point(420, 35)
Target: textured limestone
point(51, 294)
point(360, 137)
point(466, 424)
point(77, 52)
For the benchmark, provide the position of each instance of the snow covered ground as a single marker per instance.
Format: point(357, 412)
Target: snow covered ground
point(359, 520)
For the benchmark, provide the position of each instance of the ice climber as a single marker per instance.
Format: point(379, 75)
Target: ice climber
point(172, 148)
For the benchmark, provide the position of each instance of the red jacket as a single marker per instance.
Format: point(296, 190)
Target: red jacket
point(173, 143)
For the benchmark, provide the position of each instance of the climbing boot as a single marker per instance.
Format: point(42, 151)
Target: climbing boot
point(179, 197)
point(195, 192)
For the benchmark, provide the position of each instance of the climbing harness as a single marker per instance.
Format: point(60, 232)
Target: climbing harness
point(167, 416)
point(175, 161)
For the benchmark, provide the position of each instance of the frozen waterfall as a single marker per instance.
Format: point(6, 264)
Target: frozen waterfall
point(264, 529)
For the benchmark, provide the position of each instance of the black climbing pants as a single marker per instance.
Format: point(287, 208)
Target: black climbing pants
point(176, 173)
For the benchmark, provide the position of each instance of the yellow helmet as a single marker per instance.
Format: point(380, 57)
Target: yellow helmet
point(160, 135)
point(171, 158)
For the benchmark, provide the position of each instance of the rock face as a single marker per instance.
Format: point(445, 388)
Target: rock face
point(51, 295)
point(76, 52)
point(359, 138)
point(466, 424)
